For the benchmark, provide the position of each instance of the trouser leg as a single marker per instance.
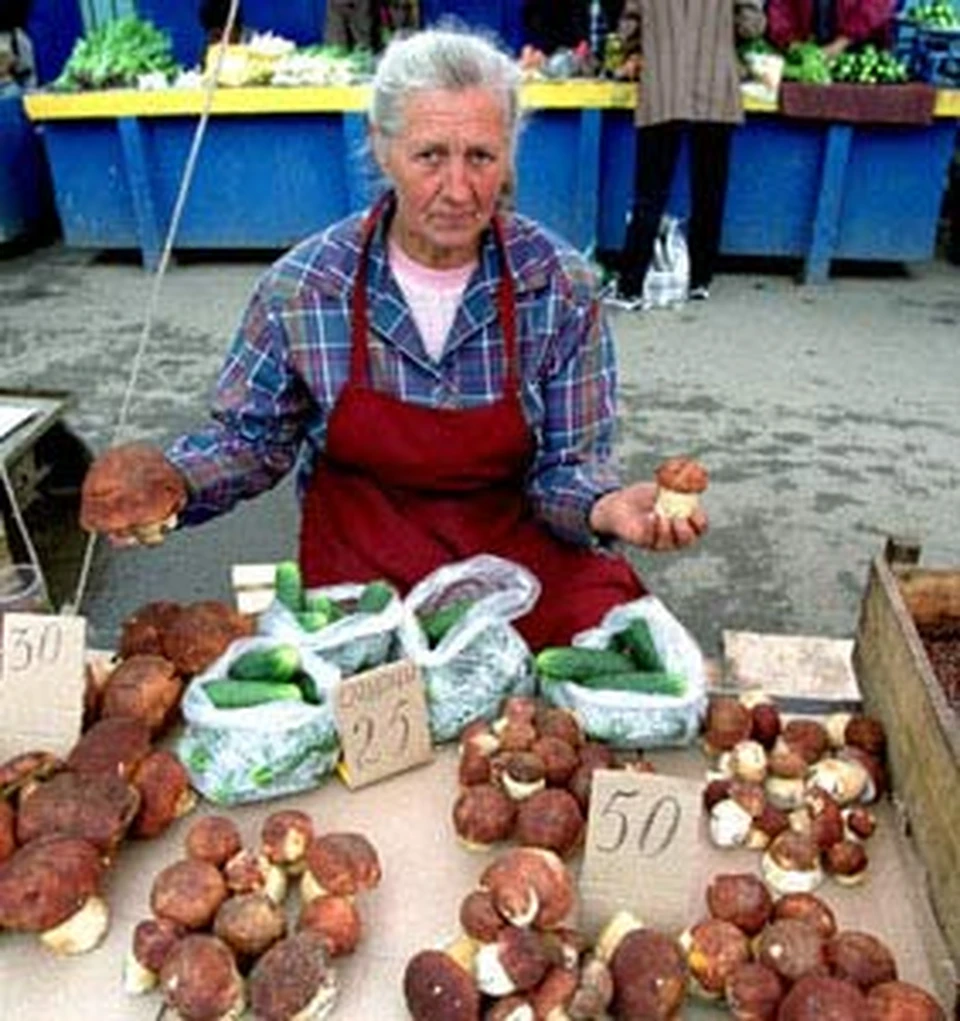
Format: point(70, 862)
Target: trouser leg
point(709, 169)
point(657, 148)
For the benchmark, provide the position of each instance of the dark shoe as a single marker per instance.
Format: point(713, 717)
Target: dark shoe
point(699, 293)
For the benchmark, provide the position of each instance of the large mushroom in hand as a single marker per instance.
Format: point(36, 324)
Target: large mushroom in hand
point(51, 887)
point(132, 489)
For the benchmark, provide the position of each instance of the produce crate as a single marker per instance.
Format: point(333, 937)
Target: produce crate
point(907, 659)
point(936, 57)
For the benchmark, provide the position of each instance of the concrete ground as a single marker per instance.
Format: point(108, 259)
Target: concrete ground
point(829, 417)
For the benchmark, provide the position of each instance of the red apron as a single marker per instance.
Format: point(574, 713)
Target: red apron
point(403, 489)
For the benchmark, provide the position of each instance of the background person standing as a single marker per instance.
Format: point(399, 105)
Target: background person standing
point(834, 24)
point(689, 84)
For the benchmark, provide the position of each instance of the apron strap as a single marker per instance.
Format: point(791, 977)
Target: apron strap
point(360, 310)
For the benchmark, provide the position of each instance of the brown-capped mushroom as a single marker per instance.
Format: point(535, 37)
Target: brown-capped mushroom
point(866, 733)
point(808, 908)
point(479, 917)
point(819, 818)
point(188, 892)
point(98, 808)
point(335, 920)
point(200, 981)
point(753, 992)
point(877, 783)
point(25, 770)
point(152, 941)
point(515, 962)
point(861, 958)
point(809, 737)
point(515, 735)
point(251, 871)
point(770, 823)
point(716, 790)
point(680, 481)
point(649, 976)
point(559, 758)
point(479, 736)
point(791, 864)
point(52, 887)
point(165, 793)
point(902, 1001)
point(555, 721)
point(728, 722)
point(200, 634)
point(713, 949)
point(519, 708)
point(115, 746)
point(845, 780)
point(473, 766)
point(520, 774)
point(860, 822)
point(740, 898)
point(792, 949)
point(483, 815)
point(131, 485)
point(437, 988)
point(284, 837)
point(747, 761)
point(552, 819)
point(530, 886)
point(846, 861)
point(341, 864)
point(249, 923)
point(551, 999)
point(142, 632)
point(766, 724)
point(214, 839)
point(8, 831)
point(820, 998)
point(145, 688)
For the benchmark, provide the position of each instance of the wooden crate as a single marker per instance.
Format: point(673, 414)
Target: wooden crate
point(900, 687)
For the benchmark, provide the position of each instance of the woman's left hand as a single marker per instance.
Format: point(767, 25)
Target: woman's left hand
point(627, 514)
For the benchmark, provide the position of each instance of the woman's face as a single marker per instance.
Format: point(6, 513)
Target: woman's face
point(448, 164)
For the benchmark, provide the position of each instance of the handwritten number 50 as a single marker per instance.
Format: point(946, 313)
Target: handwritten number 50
point(656, 827)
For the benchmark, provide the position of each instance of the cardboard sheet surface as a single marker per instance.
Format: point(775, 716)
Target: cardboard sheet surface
point(426, 874)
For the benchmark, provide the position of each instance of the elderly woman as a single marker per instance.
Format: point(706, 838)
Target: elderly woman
point(440, 373)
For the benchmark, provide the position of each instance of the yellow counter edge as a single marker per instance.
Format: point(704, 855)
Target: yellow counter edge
point(45, 106)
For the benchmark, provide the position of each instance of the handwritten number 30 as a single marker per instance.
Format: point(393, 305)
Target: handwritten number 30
point(42, 651)
point(657, 827)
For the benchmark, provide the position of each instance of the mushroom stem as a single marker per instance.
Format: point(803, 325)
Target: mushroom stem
point(81, 932)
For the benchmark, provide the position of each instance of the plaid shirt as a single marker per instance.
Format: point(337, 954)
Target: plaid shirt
point(291, 357)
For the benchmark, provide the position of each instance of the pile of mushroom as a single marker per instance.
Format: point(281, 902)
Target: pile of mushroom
point(526, 778)
point(798, 790)
point(112, 785)
point(223, 932)
point(785, 958)
point(517, 958)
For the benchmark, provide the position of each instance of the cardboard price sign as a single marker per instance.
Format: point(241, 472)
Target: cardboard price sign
point(382, 718)
point(41, 682)
point(642, 849)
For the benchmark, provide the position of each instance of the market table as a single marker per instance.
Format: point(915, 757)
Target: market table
point(279, 163)
point(426, 873)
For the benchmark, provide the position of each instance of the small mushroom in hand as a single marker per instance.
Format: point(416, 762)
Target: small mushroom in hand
point(200, 981)
point(51, 887)
point(680, 481)
point(132, 492)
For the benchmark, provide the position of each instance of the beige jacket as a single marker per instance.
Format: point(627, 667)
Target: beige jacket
point(689, 56)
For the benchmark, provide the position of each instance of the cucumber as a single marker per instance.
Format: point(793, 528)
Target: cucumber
point(278, 663)
point(322, 604)
point(636, 641)
point(308, 687)
point(437, 623)
point(288, 584)
point(313, 620)
point(375, 597)
point(575, 663)
point(641, 682)
point(228, 694)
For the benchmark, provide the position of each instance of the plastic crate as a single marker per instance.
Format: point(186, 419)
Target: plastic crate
point(904, 33)
point(936, 57)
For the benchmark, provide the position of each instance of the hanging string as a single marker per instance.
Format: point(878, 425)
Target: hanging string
point(18, 519)
point(210, 88)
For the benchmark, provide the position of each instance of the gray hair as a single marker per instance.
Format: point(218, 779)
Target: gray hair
point(441, 58)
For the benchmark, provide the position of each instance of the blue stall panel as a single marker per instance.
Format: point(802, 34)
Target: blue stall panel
point(53, 26)
point(26, 200)
point(90, 184)
point(501, 17)
point(894, 185)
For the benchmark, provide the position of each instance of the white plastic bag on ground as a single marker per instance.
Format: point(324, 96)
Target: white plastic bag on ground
point(627, 719)
point(240, 755)
point(483, 658)
point(358, 641)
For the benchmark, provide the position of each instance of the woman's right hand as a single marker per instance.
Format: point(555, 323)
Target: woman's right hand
point(132, 494)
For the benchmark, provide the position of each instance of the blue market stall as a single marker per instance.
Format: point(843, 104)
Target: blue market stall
point(280, 163)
